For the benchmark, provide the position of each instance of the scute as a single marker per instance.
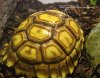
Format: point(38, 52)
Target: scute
point(12, 59)
point(25, 24)
point(70, 65)
point(18, 39)
point(24, 69)
point(52, 52)
point(54, 70)
point(6, 54)
point(42, 70)
point(30, 53)
point(75, 56)
point(38, 33)
point(65, 39)
point(73, 27)
point(48, 18)
point(46, 45)
point(64, 68)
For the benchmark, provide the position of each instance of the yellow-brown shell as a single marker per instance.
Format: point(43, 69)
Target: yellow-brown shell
point(47, 44)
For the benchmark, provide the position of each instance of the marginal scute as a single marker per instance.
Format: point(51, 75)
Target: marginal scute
point(75, 57)
point(30, 53)
point(6, 54)
point(23, 24)
point(42, 70)
point(10, 62)
point(64, 68)
point(38, 33)
point(55, 71)
point(79, 44)
point(70, 64)
point(3, 50)
point(24, 69)
point(52, 52)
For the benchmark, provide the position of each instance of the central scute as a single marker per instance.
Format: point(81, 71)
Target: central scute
point(39, 33)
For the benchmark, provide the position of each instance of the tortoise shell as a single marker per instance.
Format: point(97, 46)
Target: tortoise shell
point(47, 44)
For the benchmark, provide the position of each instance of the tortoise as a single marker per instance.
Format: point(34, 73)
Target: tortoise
point(47, 44)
